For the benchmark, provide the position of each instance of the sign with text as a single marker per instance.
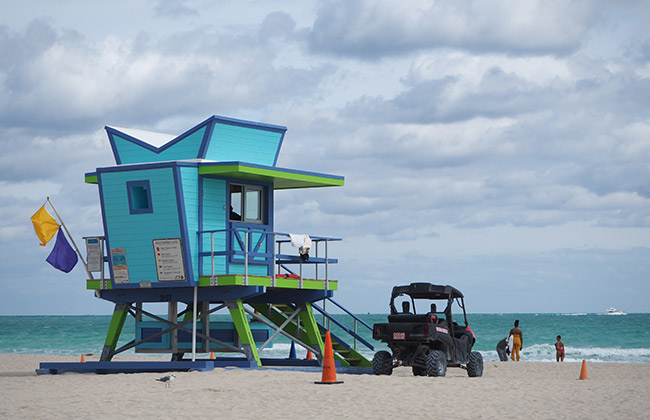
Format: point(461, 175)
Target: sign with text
point(94, 254)
point(169, 259)
point(120, 269)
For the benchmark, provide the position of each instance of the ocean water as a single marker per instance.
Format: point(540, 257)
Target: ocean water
point(593, 337)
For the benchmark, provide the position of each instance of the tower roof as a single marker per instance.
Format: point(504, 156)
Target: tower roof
point(219, 146)
point(217, 139)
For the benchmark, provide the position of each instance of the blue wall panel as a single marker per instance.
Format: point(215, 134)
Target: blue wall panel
point(253, 269)
point(186, 148)
point(190, 182)
point(130, 152)
point(214, 218)
point(235, 143)
point(135, 232)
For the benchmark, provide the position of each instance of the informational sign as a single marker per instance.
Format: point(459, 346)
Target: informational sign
point(94, 254)
point(120, 269)
point(169, 259)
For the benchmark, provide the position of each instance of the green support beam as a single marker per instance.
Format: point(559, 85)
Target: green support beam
point(308, 322)
point(114, 330)
point(238, 314)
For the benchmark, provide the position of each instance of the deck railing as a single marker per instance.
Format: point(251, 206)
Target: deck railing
point(250, 246)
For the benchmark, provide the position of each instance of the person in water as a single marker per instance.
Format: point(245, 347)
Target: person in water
point(517, 341)
point(559, 349)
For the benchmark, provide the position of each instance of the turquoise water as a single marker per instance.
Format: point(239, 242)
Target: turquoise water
point(597, 338)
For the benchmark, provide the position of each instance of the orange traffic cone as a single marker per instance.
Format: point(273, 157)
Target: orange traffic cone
point(309, 356)
point(83, 358)
point(211, 355)
point(583, 370)
point(329, 370)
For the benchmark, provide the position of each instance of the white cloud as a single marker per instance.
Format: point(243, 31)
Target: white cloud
point(33, 190)
point(483, 143)
point(374, 29)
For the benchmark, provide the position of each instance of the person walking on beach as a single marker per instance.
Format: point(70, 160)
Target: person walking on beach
point(517, 341)
point(502, 350)
point(559, 349)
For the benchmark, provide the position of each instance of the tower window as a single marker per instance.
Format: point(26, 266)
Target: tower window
point(139, 193)
point(246, 203)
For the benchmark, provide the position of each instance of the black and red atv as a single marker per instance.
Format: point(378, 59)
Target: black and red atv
point(429, 341)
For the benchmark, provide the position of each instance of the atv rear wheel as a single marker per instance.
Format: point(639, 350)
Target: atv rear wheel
point(419, 362)
point(382, 363)
point(436, 363)
point(475, 365)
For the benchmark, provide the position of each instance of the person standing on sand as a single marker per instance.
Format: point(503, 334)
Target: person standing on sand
point(517, 341)
point(502, 350)
point(559, 349)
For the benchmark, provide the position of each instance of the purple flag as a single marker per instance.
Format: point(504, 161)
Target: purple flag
point(62, 257)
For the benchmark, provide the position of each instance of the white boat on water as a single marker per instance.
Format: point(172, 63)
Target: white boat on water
point(614, 311)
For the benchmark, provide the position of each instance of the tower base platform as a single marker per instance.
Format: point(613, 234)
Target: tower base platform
point(204, 365)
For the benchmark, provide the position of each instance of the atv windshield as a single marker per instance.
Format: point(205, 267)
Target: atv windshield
point(442, 309)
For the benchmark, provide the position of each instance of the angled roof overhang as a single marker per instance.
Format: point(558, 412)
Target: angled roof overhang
point(281, 178)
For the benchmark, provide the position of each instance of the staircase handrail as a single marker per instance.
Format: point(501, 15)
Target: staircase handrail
point(343, 327)
point(350, 313)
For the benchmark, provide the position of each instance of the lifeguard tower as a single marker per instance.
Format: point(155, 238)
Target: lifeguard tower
point(188, 220)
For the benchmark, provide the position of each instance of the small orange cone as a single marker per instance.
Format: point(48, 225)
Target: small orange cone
point(309, 356)
point(212, 355)
point(83, 358)
point(583, 370)
point(329, 369)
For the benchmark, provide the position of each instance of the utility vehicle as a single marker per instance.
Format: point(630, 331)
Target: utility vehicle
point(429, 341)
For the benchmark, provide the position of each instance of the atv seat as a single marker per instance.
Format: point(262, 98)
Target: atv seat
point(463, 333)
point(428, 318)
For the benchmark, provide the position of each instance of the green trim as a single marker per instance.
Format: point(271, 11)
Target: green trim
point(238, 315)
point(281, 179)
point(97, 284)
point(115, 328)
point(91, 179)
point(281, 283)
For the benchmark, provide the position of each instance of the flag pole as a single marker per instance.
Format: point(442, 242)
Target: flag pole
point(71, 239)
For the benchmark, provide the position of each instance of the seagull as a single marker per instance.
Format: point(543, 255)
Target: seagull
point(167, 380)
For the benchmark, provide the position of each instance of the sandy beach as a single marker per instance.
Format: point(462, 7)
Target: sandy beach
point(506, 390)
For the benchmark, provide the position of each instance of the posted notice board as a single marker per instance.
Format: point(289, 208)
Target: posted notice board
point(94, 254)
point(120, 267)
point(169, 259)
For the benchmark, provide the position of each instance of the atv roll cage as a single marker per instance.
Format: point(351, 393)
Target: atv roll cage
point(430, 292)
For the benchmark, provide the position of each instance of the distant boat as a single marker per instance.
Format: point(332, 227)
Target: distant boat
point(614, 311)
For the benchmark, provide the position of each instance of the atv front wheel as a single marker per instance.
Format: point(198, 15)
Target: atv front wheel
point(475, 365)
point(436, 363)
point(382, 363)
point(419, 371)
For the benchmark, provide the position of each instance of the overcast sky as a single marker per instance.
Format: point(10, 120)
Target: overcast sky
point(499, 146)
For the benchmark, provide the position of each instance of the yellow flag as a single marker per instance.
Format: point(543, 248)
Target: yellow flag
point(44, 225)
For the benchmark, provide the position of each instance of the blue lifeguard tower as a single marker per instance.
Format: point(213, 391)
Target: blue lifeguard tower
point(188, 220)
